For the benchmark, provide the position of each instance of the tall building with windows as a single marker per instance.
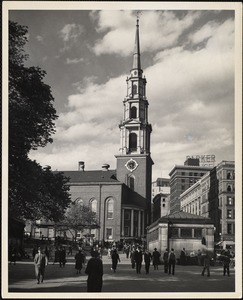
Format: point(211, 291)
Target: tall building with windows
point(160, 206)
point(181, 178)
point(161, 185)
point(121, 198)
point(213, 196)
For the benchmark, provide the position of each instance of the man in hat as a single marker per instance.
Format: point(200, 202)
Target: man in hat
point(171, 262)
point(40, 262)
point(147, 259)
point(115, 258)
point(94, 270)
point(166, 260)
point(138, 257)
point(156, 258)
point(206, 264)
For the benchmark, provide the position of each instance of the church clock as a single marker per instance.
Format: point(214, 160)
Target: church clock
point(131, 165)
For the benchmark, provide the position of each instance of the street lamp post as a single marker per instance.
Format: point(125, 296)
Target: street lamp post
point(168, 234)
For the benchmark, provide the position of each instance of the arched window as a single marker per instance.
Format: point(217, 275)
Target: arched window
point(134, 112)
point(94, 205)
point(110, 208)
point(229, 188)
point(131, 182)
point(79, 201)
point(229, 176)
point(132, 142)
point(134, 89)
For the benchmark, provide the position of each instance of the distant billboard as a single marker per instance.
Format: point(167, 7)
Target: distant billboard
point(207, 160)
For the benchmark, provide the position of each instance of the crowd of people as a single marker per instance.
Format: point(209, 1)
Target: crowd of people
point(16, 252)
point(135, 252)
point(138, 255)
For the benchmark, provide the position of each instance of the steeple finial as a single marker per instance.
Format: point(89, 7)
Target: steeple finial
point(138, 12)
point(136, 54)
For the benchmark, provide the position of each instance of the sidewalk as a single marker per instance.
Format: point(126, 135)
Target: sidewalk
point(63, 280)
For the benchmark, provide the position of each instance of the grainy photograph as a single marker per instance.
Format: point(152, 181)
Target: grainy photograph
point(122, 131)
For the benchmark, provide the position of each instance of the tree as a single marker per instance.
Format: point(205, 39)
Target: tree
point(34, 192)
point(78, 217)
point(31, 111)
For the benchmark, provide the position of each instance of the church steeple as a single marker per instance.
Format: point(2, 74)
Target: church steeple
point(134, 162)
point(136, 54)
point(135, 129)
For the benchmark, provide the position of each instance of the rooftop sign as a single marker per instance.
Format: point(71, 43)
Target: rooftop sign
point(204, 160)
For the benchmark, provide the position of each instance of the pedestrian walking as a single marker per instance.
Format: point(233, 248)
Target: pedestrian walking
point(109, 252)
point(112, 249)
point(171, 262)
point(127, 251)
point(132, 258)
point(47, 253)
point(79, 261)
point(40, 262)
point(94, 270)
point(226, 262)
point(62, 257)
point(156, 258)
point(183, 257)
point(166, 260)
point(70, 250)
point(199, 257)
point(12, 255)
point(147, 257)
point(56, 255)
point(115, 258)
point(138, 257)
point(206, 264)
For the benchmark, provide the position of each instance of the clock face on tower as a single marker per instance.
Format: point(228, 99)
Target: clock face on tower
point(131, 165)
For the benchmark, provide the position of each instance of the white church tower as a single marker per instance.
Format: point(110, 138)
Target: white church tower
point(134, 163)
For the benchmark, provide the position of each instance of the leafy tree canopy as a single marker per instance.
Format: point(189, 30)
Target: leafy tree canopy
point(34, 192)
point(38, 192)
point(78, 217)
point(32, 115)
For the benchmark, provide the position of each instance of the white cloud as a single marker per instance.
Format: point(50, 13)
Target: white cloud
point(190, 92)
point(219, 35)
point(39, 38)
point(160, 29)
point(70, 34)
point(85, 83)
point(191, 95)
point(74, 60)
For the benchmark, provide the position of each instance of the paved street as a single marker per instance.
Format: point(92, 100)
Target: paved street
point(65, 280)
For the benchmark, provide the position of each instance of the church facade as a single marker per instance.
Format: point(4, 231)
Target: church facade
point(121, 198)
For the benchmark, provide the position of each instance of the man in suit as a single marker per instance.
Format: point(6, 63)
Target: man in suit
point(156, 258)
point(40, 262)
point(147, 259)
point(183, 257)
point(166, 260)
point(138, 257)
point(171, 262)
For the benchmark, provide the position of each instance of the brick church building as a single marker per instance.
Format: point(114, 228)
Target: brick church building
point(121, 198)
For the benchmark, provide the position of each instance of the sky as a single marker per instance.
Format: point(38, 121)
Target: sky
point(187, 57)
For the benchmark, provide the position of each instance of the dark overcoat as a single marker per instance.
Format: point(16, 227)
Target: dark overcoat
point(79, 258)
point(94, 270)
